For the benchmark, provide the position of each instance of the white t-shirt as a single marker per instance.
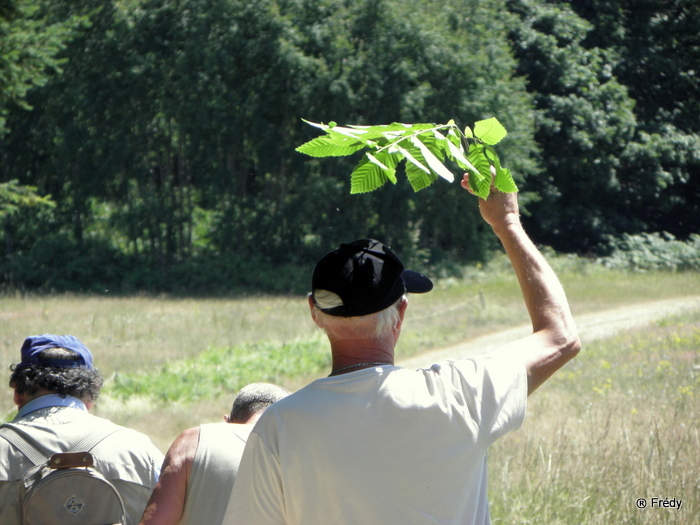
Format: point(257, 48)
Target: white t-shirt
point(380, 446)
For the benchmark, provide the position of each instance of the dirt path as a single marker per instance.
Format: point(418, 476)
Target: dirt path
point(591, 326)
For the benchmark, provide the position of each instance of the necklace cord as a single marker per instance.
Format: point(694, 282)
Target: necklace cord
point(358, 365)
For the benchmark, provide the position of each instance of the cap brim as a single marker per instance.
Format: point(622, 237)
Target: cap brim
point(416, 282)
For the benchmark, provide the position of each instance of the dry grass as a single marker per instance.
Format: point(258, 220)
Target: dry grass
point(129, 334)
point(142, 334)
point(619, 423)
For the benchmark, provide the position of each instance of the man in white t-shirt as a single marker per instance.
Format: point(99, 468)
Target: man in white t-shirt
point(377, 444)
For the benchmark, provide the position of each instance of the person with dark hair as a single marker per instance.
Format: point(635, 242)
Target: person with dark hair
point(374, 443)
point(200, 466)
point(55, 385)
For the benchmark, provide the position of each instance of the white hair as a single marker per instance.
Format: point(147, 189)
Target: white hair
point(376, 325)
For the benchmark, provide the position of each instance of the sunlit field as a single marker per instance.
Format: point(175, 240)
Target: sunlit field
point(611, 439)
point(171, 364)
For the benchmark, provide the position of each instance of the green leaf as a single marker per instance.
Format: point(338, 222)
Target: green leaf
point(433, 162)
point(389, 133)
point(423, 146)
point(454, 138)
point(338, 133)
point(418, 175)
point(326, 147)
point(319, 125)
point(418, 178)
point(480, 181)
point(489, 131)
point(504, 181)
point(369, 175)
point(412, 160)
point(457, 155)
point(387, 162)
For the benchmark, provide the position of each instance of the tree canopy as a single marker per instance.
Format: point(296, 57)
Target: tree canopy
point(165, 131)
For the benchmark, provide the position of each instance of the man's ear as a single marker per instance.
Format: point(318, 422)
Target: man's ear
point(18, 399)
point(402, 311)
point(403, 306)
point(312, 307)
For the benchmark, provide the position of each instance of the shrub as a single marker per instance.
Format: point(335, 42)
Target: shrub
point(653, 251)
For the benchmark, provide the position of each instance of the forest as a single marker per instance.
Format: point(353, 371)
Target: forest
point(150, 145)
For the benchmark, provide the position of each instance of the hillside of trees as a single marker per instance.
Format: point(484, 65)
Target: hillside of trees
point(149, 145)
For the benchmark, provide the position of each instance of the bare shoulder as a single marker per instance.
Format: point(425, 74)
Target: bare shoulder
point(183, 448)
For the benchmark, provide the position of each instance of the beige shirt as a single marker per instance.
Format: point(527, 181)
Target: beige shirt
point(213, 472)
point(126, 458)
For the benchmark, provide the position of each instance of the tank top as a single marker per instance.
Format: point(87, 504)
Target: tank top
point(213, 472)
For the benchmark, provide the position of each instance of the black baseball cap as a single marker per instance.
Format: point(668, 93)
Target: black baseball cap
point(367, 277)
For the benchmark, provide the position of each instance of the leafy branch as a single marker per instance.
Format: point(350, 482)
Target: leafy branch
point(424, 148)
point(13, 197)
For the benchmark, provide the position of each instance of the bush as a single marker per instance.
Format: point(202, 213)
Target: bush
point(653, 251)
point(56, 263)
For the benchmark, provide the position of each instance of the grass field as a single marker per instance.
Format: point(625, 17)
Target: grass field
point(617, 424)
point(621, 422)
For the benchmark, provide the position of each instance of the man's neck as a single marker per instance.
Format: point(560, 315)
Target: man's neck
point(356, 352)
point(49, 400)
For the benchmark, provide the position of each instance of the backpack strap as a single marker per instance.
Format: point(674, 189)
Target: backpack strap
point(92, 439)
point(15, 437)
point(86, 444)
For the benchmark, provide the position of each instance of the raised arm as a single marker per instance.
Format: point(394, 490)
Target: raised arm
point(554, 340)
point(167, 502)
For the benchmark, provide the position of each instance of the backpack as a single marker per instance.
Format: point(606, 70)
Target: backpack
point(65, 488)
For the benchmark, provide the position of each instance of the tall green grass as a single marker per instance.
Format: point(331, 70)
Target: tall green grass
point(619, 423)
point(220, 369)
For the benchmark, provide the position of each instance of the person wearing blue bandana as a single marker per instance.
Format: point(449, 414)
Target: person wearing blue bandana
point(55, 385)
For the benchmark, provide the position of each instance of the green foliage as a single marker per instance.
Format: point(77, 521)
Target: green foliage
point(171, 132)
point(585, 121)
point(654, 251)
point(15, 202)
point(169, 136)
point(56, 263)
point(14, 197)
point(96, 267)
point(659, 58)
point(423, 147)
point(223, 369)
point(30, 47)
point(658, 61)
point(616, 115)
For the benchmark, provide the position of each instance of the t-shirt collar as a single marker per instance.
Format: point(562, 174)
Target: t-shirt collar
point(50, 400)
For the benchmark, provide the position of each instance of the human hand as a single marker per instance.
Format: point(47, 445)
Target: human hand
point(498, 209)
